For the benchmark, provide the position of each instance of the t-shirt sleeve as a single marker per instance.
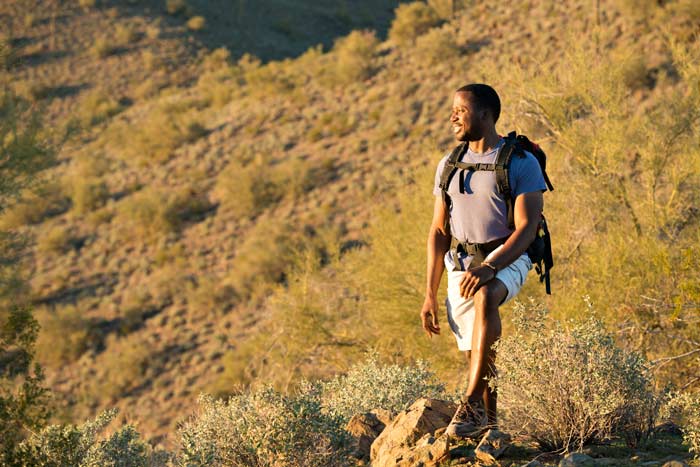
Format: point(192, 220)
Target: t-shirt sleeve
point(438, 172)
point(525, 175)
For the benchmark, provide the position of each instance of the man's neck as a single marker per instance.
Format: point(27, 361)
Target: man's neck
point(488, 142)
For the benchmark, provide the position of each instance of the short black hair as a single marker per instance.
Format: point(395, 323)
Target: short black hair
point(485, 97)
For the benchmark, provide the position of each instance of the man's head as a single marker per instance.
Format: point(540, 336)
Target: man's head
point(475, 110)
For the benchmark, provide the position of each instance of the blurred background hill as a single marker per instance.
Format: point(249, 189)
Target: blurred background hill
point(242, 189)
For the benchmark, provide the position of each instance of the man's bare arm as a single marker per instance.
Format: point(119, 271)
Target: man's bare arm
point(438, 243)
point(527, 213)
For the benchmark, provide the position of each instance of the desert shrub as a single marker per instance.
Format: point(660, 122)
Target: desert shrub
point(684, 409)
point(152, 212)
point(33, 89)
point(34, 206)
point(371, 385)
point(79, 446)
point(445, 9)
point(566, 388)
point(65, 335)
point(437, 46)
point(153, 30)
point(125, 34)
point(55, 240)
point(87, 4)
point(128, 364)
point(8, 55)
point(219, 78)
point(263, 429)
point(103, 47)
point(354, 57)
point(412, 20)
point(175, 7)
point(88, 195)
point(272, 78)
point(153, 140)
point(264, 257)
point(98, 106)
point(246, 190)
point(196, 23)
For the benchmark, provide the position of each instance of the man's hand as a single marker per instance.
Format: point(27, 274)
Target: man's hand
point(475, 278)
point(429, 317)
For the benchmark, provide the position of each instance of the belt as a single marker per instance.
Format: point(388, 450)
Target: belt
point(478, 251)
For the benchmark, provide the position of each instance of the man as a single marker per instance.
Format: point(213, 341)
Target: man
point(478, 219)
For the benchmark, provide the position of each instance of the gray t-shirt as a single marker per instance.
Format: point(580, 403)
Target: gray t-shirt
point(480, 215)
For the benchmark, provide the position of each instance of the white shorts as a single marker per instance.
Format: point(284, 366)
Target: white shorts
point(460, 310)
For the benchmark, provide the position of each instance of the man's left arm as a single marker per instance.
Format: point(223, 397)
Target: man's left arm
point(527, 212)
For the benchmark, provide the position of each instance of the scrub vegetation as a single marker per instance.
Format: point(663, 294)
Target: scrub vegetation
point(183, 215)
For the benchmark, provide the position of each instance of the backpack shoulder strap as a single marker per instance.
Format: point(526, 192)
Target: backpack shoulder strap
point(448, 171)
point(505, 154)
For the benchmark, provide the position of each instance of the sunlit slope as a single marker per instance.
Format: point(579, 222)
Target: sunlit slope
point(203, 236)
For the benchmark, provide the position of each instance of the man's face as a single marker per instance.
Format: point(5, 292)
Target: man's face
point(466, 119)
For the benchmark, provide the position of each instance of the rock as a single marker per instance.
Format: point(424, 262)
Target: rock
point(577, 459)
point(364, 428)
point(492, 446)
point(675, 464)
point(427, 452)
point(409, 439)
point(534, 463)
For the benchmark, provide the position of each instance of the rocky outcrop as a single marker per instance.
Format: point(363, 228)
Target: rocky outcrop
point(365, 428)
point(409, 440)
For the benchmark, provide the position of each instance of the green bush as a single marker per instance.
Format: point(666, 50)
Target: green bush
point(79, 446)
point(412, 20)
point(684, 409)
point(569, 388)
point(370, 385)
point(264, 429)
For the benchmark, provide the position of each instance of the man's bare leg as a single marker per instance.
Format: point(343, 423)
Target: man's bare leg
point(490, 398)
point(487, 330)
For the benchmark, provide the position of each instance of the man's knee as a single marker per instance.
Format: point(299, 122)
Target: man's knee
point(490, 295)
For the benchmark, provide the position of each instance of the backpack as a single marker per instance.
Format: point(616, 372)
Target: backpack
point(540, 251)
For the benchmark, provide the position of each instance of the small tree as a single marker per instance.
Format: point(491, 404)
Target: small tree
point(23, 154)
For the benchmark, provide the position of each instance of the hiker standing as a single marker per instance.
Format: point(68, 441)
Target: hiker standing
point(492, 223)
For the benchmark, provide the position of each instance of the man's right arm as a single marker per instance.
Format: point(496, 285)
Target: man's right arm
point(438, 243)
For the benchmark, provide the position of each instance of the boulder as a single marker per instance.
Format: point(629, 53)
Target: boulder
point(492, 446)
point(533, 463)
point(364, 428)
point(409, 439)
point(577, 459)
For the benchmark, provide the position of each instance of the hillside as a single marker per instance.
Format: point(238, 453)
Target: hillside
point(216, 222)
